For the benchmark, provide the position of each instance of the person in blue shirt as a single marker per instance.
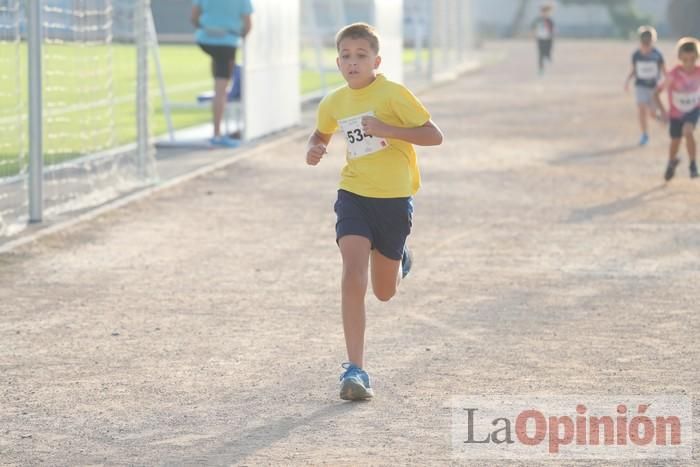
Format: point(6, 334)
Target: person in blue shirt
point(647, 70)
point(221, 24)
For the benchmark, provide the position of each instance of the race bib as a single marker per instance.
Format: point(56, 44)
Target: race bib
point(686, 101)
point(647, 70)
point(359, 143)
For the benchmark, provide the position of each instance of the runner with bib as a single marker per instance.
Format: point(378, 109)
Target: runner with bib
point(543, 28)
point(683, 86)
point(647, 69)
point(380, 121)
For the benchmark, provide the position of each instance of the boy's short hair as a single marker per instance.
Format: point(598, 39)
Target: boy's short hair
point(647, 34)
point(359, 31)
point(687, 45)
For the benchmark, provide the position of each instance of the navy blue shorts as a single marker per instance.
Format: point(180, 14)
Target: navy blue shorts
point(386, 222)
point(676, 127)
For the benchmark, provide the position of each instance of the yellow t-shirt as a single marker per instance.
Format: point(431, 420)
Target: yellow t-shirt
point(375, 167)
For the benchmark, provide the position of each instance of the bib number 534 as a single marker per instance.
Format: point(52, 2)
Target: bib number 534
point(360, 143)
point(357, 135)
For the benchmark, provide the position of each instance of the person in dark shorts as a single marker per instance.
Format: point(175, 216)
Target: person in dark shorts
point(683, 84)
point(221, 24)
point(380, 121)
point(647, 70)
point(543, 28)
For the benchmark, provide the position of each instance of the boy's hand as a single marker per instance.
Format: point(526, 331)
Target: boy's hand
point(315, 153)
point(375, 127)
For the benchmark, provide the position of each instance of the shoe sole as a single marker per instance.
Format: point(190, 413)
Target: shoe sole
point(353, 390)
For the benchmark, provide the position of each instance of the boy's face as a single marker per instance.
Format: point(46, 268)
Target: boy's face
point(688, 59)
point(357, 62)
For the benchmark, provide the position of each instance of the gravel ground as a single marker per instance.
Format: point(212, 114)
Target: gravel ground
point(202, 325)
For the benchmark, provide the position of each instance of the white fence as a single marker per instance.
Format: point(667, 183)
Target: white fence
point(71, 108)
point(75, 127)
point(422, 40)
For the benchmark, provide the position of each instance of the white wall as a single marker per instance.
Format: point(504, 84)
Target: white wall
point(388, 19)
point(271, 95)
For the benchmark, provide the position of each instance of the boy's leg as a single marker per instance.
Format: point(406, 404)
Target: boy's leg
point(355, 251)
point(385, 276)
point(220, 97)
point(643, 110)
point(674, 148)
point(659, 112)
point(672, 158)
point(219, 103)
point(688, 129)
point(394, 224)
point(223, 59)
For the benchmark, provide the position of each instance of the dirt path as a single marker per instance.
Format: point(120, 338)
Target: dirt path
point(202, 326)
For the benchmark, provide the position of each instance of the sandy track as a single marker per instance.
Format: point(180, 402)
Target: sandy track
point(201, 326)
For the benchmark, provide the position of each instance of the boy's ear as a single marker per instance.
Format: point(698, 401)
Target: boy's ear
point(337, 62)
point(377, 61)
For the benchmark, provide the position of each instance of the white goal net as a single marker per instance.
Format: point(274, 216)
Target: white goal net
point(90, 102)
point(13, 155)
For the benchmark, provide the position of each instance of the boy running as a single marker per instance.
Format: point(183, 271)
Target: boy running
point(380, 121)
point(647, 69)
point(683, 86)
point(543, 27)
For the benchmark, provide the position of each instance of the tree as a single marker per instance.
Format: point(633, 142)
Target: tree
point(518, 19)
point(623, 14)
point(683, 17)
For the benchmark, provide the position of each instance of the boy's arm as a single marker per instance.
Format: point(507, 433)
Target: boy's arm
point(629, 78)
point(664, 84)
point(247, 25)
point(657, 96)
point(316, 147)
point(427, 135)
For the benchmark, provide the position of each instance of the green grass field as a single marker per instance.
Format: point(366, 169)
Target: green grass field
point(74, 130)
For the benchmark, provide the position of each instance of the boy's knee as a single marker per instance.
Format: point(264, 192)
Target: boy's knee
point(354, 277)
point(688, 130)
point(384, 295)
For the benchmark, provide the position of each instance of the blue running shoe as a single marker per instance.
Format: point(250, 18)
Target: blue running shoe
point(406, 262)
point(644, 139)
point(224, 142)
point(354, 383)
